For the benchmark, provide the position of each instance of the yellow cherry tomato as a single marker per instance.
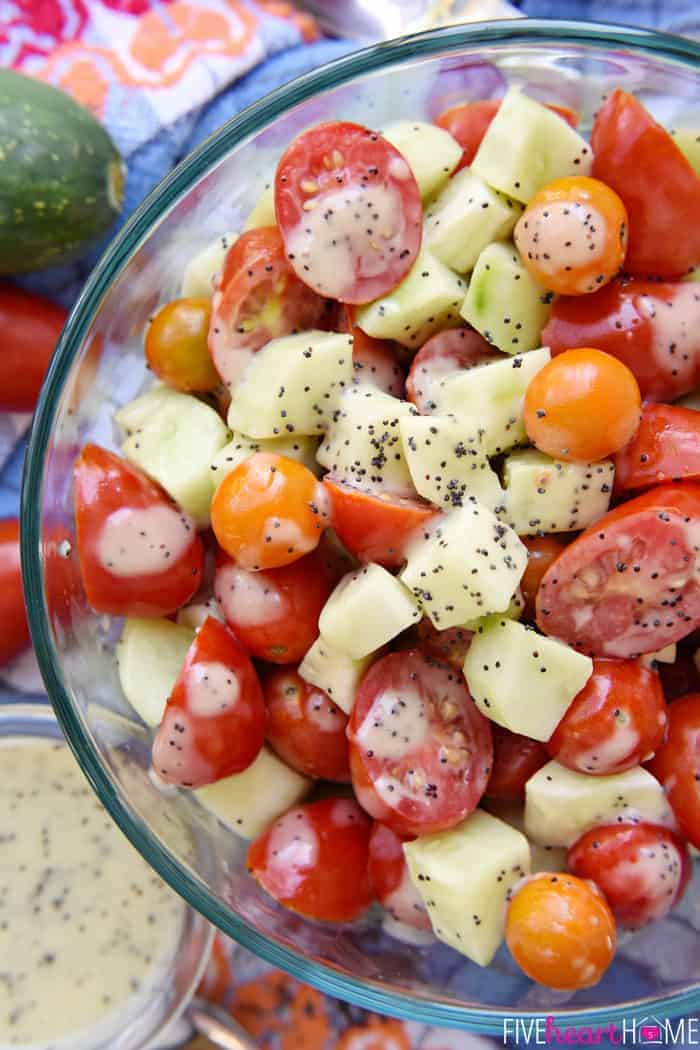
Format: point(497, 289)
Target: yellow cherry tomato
point(176, 345)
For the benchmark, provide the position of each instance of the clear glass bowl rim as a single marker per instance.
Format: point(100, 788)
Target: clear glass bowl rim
point(371, 996)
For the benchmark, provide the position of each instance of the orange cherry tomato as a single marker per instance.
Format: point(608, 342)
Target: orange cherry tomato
point(268, 512)
point(541, 552)
point(176, 345)
point(560, 931)
point(582, 406)
point(573, 235)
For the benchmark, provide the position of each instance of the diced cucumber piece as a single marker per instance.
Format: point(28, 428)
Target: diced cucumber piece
point(667, 655)
point(490, 398)
point(465, 564)
point(366, 610)
point(333, 671)
point(195, 614)
point(202, 270)
point(560, 805)
point(294, 446)
point(428, 299)
point(248, 802)
point(150, 655)
point(363, 444)
point(522, 680)
point(431, 152)
point(504, 303)
point(466, 217)
point(688, 142)
point(542, 858)
point(464, 876)
point(513, 612)
point(550, 495)
point(693, 276)
point(526, 146)
point(447, 462)
point(291, 385)
point(263, 213)
point(174, 442)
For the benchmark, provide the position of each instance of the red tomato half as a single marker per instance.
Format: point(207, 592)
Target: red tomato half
point(445, 352)
point(274, 612)
point(629, 584)
point(313, 860)
point(617, 720)
point(653, 328)
point(516, 758)
point(349, 211)
point(30, 327)
point(374, 360)
point(638, 159)
point(305, 727)
point(642, 869)
point(666, 447)
point(420, 751)
point(375, 526)
point(258, 298)
point(541, 552)
point(139, 554)
point(13, 617)
point(449, 646)
point(677, 764)
point(214, 722)
point(388, 872)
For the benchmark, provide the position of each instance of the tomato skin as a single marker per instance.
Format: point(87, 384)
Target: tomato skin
point(653, 328)
point(676, 765)
point(275, 613)
point(614, 857)
point(214, 721)
point(105, 485)
point(448, 647)
point(560, 931)
point(638, 159)
point(305, 727)
point(666, 447)
point(388, 873)
point(680, 677)
point(541, 552)
point(516, 758)
point(374, 360)
point(615, 722)
point(595, 577)
point(438, 778)
point(13, 616)
point(175, 345)
point(30, 328)
point(324, 877)
point(445, 352)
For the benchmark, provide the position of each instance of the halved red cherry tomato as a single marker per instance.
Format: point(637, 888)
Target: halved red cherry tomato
point(268, 511)
point(176, 348)
point(573, 234)
point(349, 211)
point(560, 931)
point(680, 677)
point(305, 727)
point(420, 751)
point(642, 869)
point(652, 328)
point(630, 583)
point(214, 721)
point(638, 159)
point(139, 554)
point(582, 406)
point(449, 646)
point(313, 860)
point(515, 759)
point(258, 298)
point(665, 448)
point(445, 352)
point(388, 873)
point(677, 764)
point(617, 720)
point(13, 617)
point(30, 327)
point(375, 526)
point(541, 552)
point(274, 612)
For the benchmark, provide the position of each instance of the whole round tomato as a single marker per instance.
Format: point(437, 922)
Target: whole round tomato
point(448, 647)
point(516, 758)
point(388, 873)
point(676, 765)
point(176, 345)
point(542, 551)
point(305, 727)
point(30, 328)
point(13, 616)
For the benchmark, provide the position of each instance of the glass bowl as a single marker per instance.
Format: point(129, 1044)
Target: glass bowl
point(99, 365)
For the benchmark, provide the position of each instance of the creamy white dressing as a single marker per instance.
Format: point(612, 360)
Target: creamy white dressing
point(212, 689)
point(654, 874)
point(395, 725)
point(563, 233)
point(287, 533)
point(87, 931)
point(249, 599)
point(322, 712)
point(176, 758)
point(344, 813)
point(607, 755)
point(292, 849)
point(405, 904)
point(675, 327)
point(143, 541)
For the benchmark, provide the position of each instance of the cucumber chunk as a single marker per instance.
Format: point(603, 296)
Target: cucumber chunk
point(263, 213)
point(688, 142)
point(429, 298)
point(447, 462)
point(291, 385)
point(466, 217)
point(526, 146)
point(550, 495)
point(366, 610)
point(202, 270)
point(504, 303)
point(294, 446)
point(175, 438)
point(522, 680)
point(464, 876)
point(333, 671)
point(431, 152)
point(150, 655)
